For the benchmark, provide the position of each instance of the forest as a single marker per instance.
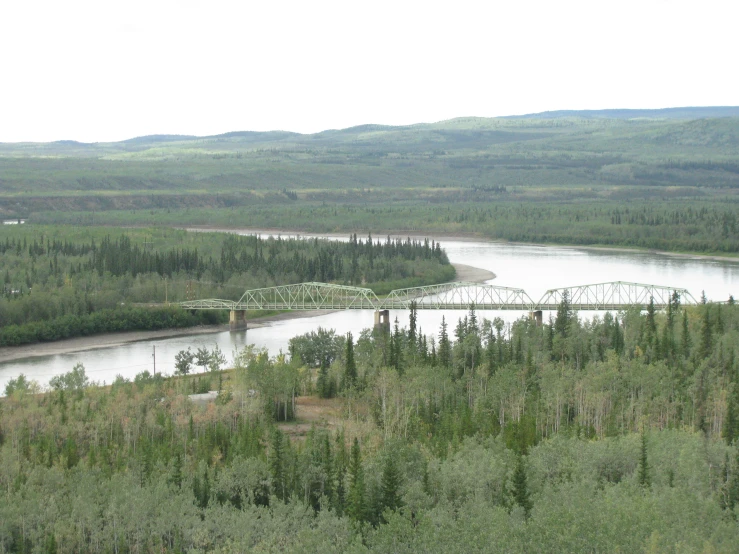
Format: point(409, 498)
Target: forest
point(664, 180)
point(614, 433)
point(702, 226)
point(60, 282)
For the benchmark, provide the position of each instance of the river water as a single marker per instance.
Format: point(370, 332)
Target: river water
point(533, 268)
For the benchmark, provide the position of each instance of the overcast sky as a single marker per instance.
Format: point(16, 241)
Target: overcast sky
point(110, 69)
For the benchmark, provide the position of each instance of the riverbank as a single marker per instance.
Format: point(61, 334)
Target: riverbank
point(465, 273)
point(470, 274)
point(107, 340)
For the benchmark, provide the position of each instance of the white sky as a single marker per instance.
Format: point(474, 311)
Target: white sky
point(109, 69)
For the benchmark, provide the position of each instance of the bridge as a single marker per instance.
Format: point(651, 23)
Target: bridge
point(457, 295)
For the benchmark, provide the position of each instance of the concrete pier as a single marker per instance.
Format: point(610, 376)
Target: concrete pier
point(537, 316)
point(382, 319)
point(237, 320)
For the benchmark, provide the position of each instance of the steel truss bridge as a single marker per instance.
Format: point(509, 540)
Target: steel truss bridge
point(615, 295)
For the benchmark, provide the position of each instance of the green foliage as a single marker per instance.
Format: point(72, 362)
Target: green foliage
point(644, 469)
point(390, 485)
point(18, 385)
point(520, 488)
point(350, 366)
point(61, 282)
point(357, 507)
point(73, 381)
point(590, 452)
point(183, 361)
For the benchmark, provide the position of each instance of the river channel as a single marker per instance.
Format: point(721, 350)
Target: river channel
point(533, 268)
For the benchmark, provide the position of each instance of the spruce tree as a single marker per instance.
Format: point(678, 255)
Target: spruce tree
point(564, 315)
point(730, 430)
point(644, 479)
point(651, 324)
point(396, 345)
point(327, 464)
point(412, 323)
point(277, 465)
point(356, 502)
point(390, 484)
point(706, 334)
point(520, 487)
point(350, 370)
point(685, 341)
point(444, 352)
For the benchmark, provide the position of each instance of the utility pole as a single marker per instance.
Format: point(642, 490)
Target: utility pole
point(166, 298)
point(154, 355)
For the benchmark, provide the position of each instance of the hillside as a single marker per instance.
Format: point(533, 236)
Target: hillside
point(665, 180)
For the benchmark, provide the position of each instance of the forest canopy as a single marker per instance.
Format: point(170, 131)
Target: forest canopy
point(614, 433)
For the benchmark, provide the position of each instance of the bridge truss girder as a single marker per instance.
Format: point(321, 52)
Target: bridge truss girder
point(308, 296)
point(208, 304)
point(460, 296)
point(614, 295)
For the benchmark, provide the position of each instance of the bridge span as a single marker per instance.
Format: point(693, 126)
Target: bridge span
point(457, 295)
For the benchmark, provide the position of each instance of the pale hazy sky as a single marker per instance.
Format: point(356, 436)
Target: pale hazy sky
point(109, 69)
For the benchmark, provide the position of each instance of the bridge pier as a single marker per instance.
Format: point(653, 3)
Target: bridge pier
point(382, 319)
point(237, 320)
point(537, 316)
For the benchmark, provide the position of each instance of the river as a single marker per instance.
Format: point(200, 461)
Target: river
point(533, 268)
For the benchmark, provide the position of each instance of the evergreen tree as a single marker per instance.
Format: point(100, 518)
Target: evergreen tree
point(412, 323)
point(396, 348)
point(322, 383)
point(650, 333)
point(617, 340)
point(327, 464)
point(685, 341)
point(706, 334)
point(350, 370)
point(176, 478)
point(340, 461)
point(444, 353)
point(390, 484)
point(564, 315)
point(278, 465)
point(644, 479)
point(520, 487)
point(356, 502)
point(730, 429)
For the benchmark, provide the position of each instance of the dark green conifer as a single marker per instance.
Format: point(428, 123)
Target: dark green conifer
point(564, 315)
point(356, 502)
point(350, 370)
point(644, 479)
point(444, 353)
point(520, 487)
point(390, 484)
point(277, 465)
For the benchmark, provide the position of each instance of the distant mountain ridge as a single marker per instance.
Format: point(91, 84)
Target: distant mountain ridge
point(462, 128)
point(695, 112)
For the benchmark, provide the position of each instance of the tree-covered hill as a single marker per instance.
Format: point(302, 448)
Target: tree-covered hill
point(562, 177)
